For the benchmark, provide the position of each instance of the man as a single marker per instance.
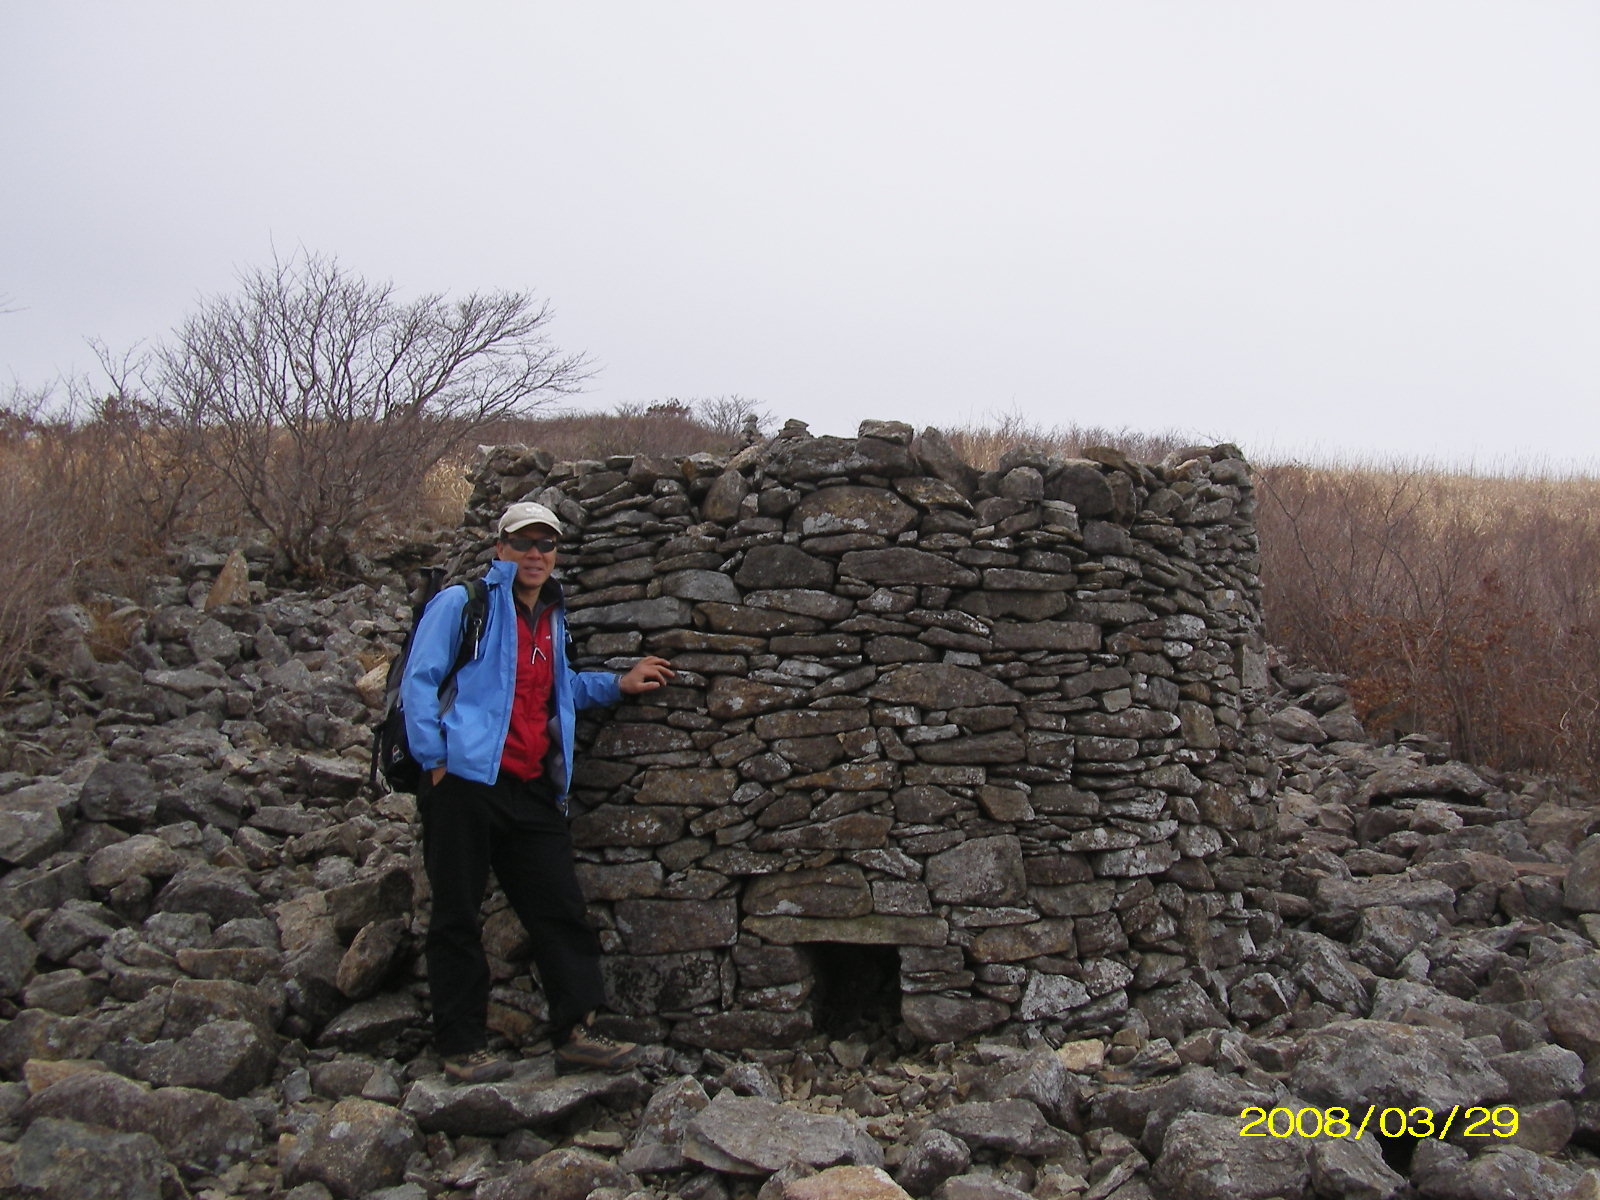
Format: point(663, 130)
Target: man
point(497, 760)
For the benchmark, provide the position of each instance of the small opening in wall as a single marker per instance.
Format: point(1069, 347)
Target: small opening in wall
point(857, 987)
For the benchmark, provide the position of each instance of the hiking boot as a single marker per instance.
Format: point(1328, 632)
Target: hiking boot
point(587, 1049)
point(477, 1066)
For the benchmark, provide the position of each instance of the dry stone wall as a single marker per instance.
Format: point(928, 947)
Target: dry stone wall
point(979, 746)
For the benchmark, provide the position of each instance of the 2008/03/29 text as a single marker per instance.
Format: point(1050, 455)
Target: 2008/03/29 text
point(1476, 1121)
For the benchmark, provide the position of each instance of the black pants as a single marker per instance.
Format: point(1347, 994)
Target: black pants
point(516, 829)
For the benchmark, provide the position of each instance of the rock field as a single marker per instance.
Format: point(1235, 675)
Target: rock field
point(210, 981)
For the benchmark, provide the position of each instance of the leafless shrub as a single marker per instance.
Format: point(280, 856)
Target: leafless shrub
point(322, 400)
point(1463, 605)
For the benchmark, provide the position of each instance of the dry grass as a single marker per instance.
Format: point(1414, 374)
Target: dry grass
point(983, 445)
point(1461, 604)
point(1465, 604)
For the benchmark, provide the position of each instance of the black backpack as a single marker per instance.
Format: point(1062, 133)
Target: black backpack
point(391, 751)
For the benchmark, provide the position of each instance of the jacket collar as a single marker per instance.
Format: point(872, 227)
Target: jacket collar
point(503, 573)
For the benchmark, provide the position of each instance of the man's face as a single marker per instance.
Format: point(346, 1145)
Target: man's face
point(523, 548)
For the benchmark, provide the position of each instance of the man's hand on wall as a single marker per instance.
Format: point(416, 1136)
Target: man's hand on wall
point(647, 674)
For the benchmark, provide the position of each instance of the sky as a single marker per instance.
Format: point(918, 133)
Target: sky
point(1327, 229)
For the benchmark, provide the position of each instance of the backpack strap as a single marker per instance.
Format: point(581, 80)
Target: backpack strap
point(474, 616)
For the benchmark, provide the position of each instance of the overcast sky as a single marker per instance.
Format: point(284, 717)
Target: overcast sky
point(1332, 228)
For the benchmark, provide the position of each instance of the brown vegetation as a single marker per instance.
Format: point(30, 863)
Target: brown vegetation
point(1464, 605)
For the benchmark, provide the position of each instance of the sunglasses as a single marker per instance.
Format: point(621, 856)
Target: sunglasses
point(544, 545)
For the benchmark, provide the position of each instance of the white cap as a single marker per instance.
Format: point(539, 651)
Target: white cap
point(525, 513)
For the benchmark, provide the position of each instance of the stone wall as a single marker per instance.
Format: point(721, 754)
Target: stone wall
point(989, 733)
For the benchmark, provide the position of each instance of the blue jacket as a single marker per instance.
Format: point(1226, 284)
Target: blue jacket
point(467, 739)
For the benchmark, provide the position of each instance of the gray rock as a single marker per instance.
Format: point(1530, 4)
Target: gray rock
point(783, 567)
point(1353, 1170)
point(193, 1128)
point(1570, 994)
point(1542, 1073)
point(834, 891)
point(657, 1142)
point(1297, 725)
point(222, 894)
point(75, 926)
point(354, 1148)
point(141, 855)
point(1360, 1063)
point(1204, 1158)
point(372, 958)
point(980, 871)
point(1581, 891)
point(377, 897)
point(1083, 485)
point(674, 926)
point(936, 1018)
point(230, 1058)
point(1405, 779)
point(934, 1156)
point(565, 1174)
point(977, 1187)
point(850, 509)
point(118, 792)
point(18, 957)
point(1146, 1113)
point(1036, 1075)
point(493, 1109)
point(1051, 997)
point(1386, 933)
point(66, 1160)
point(31, 823)
point(1498, 1172)
point(373, 1024)
point(1010, 1126)
point(742, 1135)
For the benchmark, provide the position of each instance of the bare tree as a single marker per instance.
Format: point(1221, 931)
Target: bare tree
point(322, 398)
point(732, 417)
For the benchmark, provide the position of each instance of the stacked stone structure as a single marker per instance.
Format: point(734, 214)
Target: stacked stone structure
point(987, 734)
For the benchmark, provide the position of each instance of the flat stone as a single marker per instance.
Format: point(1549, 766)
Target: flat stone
point(58, 1159)
point(745, 1135)
point(230, 1058)
point(657, 1141)
point(855, 831)
point(1051, 997)
point(1204, 1158)
point(355, 1148)
point(118, 791)
point(372, 1024)
point(859, 931)
point(935, 1018)
point(1362, 1062)
point(666, 612)
point(647, 984)
point(140, 855)
point(981, 871)
point(192, 1127)
point(941, 686)
point(835, 891)
point(672, 926)
point(1008, 1126)
point(31, 827)
point(1581, 890)
point(699, 787)
point(851, 509)
point(569, 1173)
point(1012, 943)
point(495, 1109)
point(845, 1183)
